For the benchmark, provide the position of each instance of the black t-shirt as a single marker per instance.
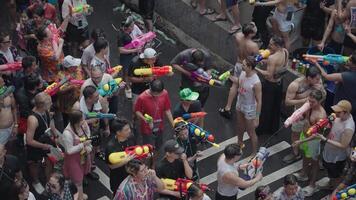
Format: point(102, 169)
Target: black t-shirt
point(178, 111)
point(345, 89)
point(169, 170)
point(122, 40)
point(7, 175)
point(189, 146)
point(119, 174)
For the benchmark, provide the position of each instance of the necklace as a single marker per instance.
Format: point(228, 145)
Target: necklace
point(140, 191)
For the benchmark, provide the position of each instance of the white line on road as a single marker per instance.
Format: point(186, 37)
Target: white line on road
point(213, 150)
point(103, 178)
point(273, 150)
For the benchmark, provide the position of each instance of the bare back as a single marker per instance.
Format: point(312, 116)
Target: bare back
point(275, 63)
point(245, 47)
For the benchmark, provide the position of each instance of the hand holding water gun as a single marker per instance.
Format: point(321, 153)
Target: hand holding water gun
point(181, 185)
point(84, 8)
point(137, 151)
point(330, 59)
point(99, 115)
point(154, 71)
point(202, 76)
point(141, 40)
point(297, 115)
point(347, 193)
point(76, 82)
point(255, 166)
point(6, 91)
point(321, 125)
point(114, 70)
point(92, 138)
point(54, 87)
point(264, 53)
point(200, 133)
point(111, 87)
point(187, 116)
point(15, 66)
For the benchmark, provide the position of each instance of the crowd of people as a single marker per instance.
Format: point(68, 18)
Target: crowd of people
point(65, 130)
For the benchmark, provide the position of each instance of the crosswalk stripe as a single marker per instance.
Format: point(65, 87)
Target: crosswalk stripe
point(103, 178)
point(104, 198)
point(273, 150)
point(213, 150)
point(274, 177)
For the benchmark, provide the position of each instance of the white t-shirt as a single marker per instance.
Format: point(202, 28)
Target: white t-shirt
point(89, 53)
point(83, 106)
point(246, 95)
point(103, 64)
point(77, 16)
point(136, 31)
point(106, 79)
point(31, 196)
point(8, 55)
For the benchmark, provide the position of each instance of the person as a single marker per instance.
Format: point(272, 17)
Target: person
point(202, 8)
point(188, 104)
point(101, 47)
point(227, 4)
point(142, 183)
point(229, 180)
point(8, 116)
point(50, 12)
point(29, 66)
point(263, 192)
point(10, 169)
point(249, 102)
point(337, 143)
point(77, 161)
point(272, 86)
point(146, 9)
point(247, 47)
point(58, 188)
point(8, 53)
point(174, 165)
point(147, 59)
point(154, 102)
point(121, 140)
point(200, 59)
point(89, 51)
point(310, 144)
point(196, 193)
point(126, 55)
point(297, 94)
point(78, 31)
point(21, 191)
point(346, 81)
point(39, 127)
point(71, 68)
point(290, 190)
point(348, 16)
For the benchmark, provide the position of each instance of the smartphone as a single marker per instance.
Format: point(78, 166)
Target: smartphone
point(289, 15)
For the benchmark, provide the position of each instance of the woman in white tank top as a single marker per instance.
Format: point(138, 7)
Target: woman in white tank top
point(249, 101)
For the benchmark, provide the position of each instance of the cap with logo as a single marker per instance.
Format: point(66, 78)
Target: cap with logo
point(172, 146)
point(188, 95)
point(342, 106)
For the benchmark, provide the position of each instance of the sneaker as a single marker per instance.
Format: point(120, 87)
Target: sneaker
point(300, 177)
point(291, 158)
point(225, 113)
point(38, 187)
point(309, 191)
point(128, 93)
point(324, 184)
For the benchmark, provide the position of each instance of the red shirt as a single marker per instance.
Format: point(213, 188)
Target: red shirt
point(155, 106)
point(50, 12)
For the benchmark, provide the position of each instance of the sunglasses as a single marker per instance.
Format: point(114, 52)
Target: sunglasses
point(180, 128)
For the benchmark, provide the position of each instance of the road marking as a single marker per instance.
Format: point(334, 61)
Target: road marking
point(213, 150)
point(103, 178)
point(273, 150)
point(104, 198)
point(273, 177)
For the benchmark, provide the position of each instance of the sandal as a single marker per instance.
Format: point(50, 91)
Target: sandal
point(234, 30)
point(225, 113)
point(218, 19)
point(208, 12)
point(193, 4)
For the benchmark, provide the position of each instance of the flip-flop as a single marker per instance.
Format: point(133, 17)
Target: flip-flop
point(208, 12)
point(193, 4)
point(218, 19)
point(233, 31)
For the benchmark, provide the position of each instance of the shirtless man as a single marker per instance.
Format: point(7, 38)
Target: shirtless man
point(297, 94)
point(8, 117)
point(348, 15)
point(310, 145)
point(272, 86)
point(282, 18)
point(246, 47)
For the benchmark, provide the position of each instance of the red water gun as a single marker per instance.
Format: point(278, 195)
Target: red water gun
point(320, 125)
point(15, 66)
point(76, 82)
point(181, 185)
point(140, 151)
point(115, 69)
point(187, 116)
point(55, 87)
point(154, 71)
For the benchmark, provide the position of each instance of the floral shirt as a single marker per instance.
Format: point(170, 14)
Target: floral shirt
point(67, 194)
point(50, 66)
point(130, 190)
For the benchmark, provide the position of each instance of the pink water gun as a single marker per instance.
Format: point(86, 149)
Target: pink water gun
point(56, 33)
point(76, 82)
point(15, 66)
point(297, 115)
point(141, 40)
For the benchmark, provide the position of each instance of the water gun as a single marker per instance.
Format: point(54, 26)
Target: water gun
point(81, 9)
point(55, 87)
point(320, 125)
point(84, 138)
point(99, 115)
point(55, 155)
point(115, 69)
point(224, 76)
point(154, 71)
point(264, 53)
point(297, 115)
point(109, 88)
point(256, 164)
point(181, 185)
point(329, 59)
point(6, 91)
point(56, 33)
point(141, 40)
point(15, 66)
point(148, 118)
point(347, 193)
point(201, 76)
point(187, 116)
point(201, 134)
point(139, 151)
point(76, 82)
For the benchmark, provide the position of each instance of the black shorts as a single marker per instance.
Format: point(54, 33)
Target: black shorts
point(35, 154)
point(73, 34)
point(146, 8)
point(335, 170)
point(349, 43)
point(311, 30)
point(221, 197)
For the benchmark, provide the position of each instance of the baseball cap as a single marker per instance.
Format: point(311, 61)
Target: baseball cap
point(343, 105)
point(148, 53)
point(172, 146)
point(70, 61)
point(188, 95)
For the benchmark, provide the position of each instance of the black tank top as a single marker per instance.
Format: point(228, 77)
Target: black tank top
point(43, 125)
